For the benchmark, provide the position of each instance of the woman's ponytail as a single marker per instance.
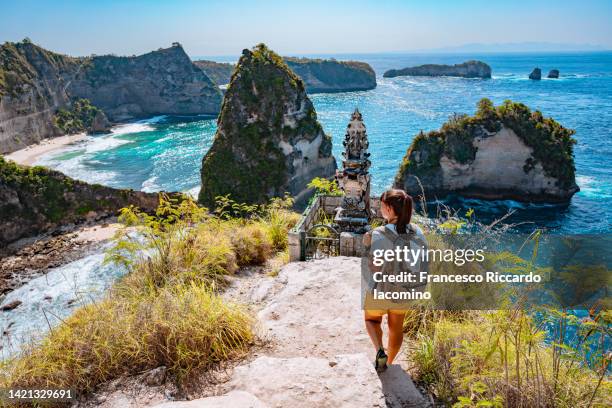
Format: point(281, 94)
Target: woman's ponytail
point(402, 206)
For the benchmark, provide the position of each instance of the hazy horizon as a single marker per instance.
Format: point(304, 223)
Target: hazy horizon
point(222, 28)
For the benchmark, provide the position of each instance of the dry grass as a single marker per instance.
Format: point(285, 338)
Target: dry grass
point(166, 310)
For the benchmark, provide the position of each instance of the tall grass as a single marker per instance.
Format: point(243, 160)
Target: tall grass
point(508, 358)
point(167, 310)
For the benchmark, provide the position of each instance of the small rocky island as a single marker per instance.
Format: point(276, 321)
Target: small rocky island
point(553, 74)
point(268, 139)
point(536, 74)
point(468, 69)
point(504, 152)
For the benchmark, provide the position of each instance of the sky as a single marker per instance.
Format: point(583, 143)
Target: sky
point(209, 28)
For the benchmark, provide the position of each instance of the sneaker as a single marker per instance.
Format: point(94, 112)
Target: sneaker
point(380, 363)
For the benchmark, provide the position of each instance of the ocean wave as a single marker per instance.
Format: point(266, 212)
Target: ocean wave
point(149, 185)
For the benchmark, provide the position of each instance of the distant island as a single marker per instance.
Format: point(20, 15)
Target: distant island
point(319, 75)
point(468, 69)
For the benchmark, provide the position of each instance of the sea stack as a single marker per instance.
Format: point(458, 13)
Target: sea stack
point(468, 69)
point(554, 74)
point(268, 139)
point(536, 74)
point(508, 152)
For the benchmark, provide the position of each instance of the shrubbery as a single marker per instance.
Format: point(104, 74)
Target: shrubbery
point(167, 310)
point(78, 118)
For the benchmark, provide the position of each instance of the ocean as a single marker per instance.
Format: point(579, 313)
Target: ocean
point(165, 152)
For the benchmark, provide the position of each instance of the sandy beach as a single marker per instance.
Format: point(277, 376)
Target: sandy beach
point(30, 154)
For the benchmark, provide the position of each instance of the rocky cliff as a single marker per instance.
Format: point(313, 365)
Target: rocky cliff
point(468, 69)
point(330, 75)
point(35, 200)
point(160, 82)
point(268, 140)
point(33, 85)
point(504, 152)
point(219, 72)
point(319, 75)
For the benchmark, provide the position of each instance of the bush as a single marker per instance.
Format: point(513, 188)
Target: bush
point(185, 328)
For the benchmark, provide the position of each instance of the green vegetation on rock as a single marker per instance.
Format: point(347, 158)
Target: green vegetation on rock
point(552, 143)
point(19, 65)
point(168, 309)
point(246, 159)
point(79, 118)
point(37, 199)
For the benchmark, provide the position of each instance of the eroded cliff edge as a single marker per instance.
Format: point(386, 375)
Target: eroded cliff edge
point(504, 152)
point(35, 200)
point(268, 140)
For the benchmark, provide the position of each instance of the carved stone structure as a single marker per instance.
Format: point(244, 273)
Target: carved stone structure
point(354, 213)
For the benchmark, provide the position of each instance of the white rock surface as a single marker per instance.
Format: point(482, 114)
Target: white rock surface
point(321, 355)
point(238, 399)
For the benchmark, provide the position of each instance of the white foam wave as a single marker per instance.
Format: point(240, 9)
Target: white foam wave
point(149, 185)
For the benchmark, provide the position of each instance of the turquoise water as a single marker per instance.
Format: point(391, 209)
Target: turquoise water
point(164, 153)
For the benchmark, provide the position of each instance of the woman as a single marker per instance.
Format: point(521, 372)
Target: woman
point(396, 209)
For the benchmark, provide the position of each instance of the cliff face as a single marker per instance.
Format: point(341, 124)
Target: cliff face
point(160, 82)
point(319, 75)
point(468, 69)
point(333, 76)
point(33, 85)
point(506, 152)
point(268, 140)
point(34, 200)
point(219, 72)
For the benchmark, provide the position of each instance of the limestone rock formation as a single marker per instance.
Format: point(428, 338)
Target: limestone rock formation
point(34, 200)
point(330, 75)
point(553, 73)
point(160, 82)
point(219, 72)
point(268, 139)
point(536, 74)
point(33, 85)
point(36, 83)
point(506, 152)
point(468, 69)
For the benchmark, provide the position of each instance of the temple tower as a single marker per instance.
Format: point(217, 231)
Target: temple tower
point(354, 179)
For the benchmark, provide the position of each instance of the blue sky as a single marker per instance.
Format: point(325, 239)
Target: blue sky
point(300, 27)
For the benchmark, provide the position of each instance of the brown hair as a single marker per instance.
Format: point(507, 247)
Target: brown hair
point(402, 206)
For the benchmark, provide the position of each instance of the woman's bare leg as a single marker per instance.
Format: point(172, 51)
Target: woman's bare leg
point(395, 322)
point(372, 323)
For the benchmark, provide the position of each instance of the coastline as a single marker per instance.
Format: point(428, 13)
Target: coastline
point(29, 155)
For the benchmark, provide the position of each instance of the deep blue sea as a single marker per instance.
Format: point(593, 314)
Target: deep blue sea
point(164, 153)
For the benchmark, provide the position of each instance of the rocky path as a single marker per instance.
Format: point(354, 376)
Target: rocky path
point(320, 354)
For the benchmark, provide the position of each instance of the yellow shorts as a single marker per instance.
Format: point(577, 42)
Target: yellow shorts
point(372, 307)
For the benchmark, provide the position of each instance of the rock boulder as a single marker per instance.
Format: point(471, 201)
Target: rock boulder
point(554, 74)
point(536, 74)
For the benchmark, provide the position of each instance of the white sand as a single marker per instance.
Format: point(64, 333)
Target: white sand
point(29, 155)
